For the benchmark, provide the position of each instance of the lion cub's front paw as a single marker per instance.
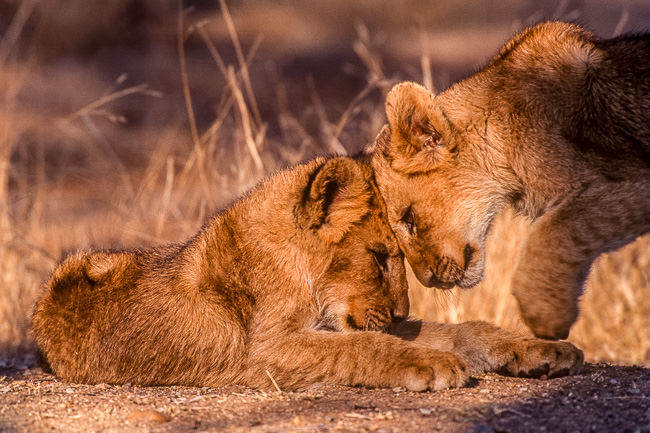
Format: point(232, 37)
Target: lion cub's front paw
point(423, 370)
point(536, 358)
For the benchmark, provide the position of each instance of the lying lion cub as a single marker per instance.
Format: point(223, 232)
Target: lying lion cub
point(557, 125)
point(292, 282)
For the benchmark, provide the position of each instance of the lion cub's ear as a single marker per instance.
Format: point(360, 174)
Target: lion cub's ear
point(336, 197)
point(414, 143)
point(101, 264)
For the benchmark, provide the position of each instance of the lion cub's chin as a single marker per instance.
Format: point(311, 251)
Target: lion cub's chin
point(472, 276)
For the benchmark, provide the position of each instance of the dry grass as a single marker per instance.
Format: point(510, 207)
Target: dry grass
point(87, 160)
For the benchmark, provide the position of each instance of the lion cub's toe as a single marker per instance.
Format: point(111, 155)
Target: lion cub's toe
point(537, 358)
point(434, 371)
point(568, 360)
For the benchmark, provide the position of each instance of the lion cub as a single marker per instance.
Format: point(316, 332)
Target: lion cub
point(557, 125)
point(292, 282)
point(272, 284)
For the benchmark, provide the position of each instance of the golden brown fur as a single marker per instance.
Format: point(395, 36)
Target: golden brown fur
point(556, 125)
point(295, 279)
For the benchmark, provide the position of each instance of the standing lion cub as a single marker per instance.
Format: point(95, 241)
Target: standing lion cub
point(293, 282)
point(557, 125)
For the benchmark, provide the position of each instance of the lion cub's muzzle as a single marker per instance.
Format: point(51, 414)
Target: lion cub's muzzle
point(444, 272)
point(377, 317)
point(371, 320)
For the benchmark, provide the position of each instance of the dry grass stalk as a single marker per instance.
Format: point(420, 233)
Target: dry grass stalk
point(226, 99)
point(275, 384)
point(246, 121)
point(198, 148)
point(372, 61)
point(327, 128)
point(425, 63)
point(14, 30)
point(94, 107)
point(242, 62)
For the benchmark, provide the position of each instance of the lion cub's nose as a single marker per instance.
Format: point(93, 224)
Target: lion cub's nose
point(399, 314)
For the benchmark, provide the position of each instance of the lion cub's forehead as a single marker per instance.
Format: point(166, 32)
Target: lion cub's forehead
point(381, 238)
point(374, 227)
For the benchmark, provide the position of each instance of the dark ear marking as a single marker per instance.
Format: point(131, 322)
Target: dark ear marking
point(308, 212)
point(407, 128)
point(318, 196)
point(332, 199)
point(330, 194)
point(306, 192)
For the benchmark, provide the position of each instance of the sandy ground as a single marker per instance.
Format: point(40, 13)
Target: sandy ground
point(602, 398)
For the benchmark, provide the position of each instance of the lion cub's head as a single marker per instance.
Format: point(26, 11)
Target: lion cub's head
point(361, 282)
point(432, 177)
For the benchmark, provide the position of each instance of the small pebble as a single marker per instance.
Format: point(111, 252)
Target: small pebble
point(69, 391)
point(5, 389)
point(398, 389)
point(634, 390)
point(425, 411)
point(613, 381)
point(484, 391)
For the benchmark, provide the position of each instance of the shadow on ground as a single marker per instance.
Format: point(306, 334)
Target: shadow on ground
point(601, 398)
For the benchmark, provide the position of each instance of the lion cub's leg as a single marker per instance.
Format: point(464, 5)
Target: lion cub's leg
point(486, 347)
point(564, 243)
point(364, 358)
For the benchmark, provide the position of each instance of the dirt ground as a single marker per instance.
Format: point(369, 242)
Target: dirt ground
point(65, 171)
point(602, 398)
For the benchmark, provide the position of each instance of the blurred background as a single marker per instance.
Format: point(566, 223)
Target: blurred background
point(128, 122)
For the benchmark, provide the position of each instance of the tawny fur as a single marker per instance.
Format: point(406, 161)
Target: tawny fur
point(296, 279)
point(557, 125)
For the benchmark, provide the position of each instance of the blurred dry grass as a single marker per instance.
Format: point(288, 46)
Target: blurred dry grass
point(96, 148)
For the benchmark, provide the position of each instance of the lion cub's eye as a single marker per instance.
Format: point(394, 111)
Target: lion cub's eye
point(381, 258)
point(408, 219)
